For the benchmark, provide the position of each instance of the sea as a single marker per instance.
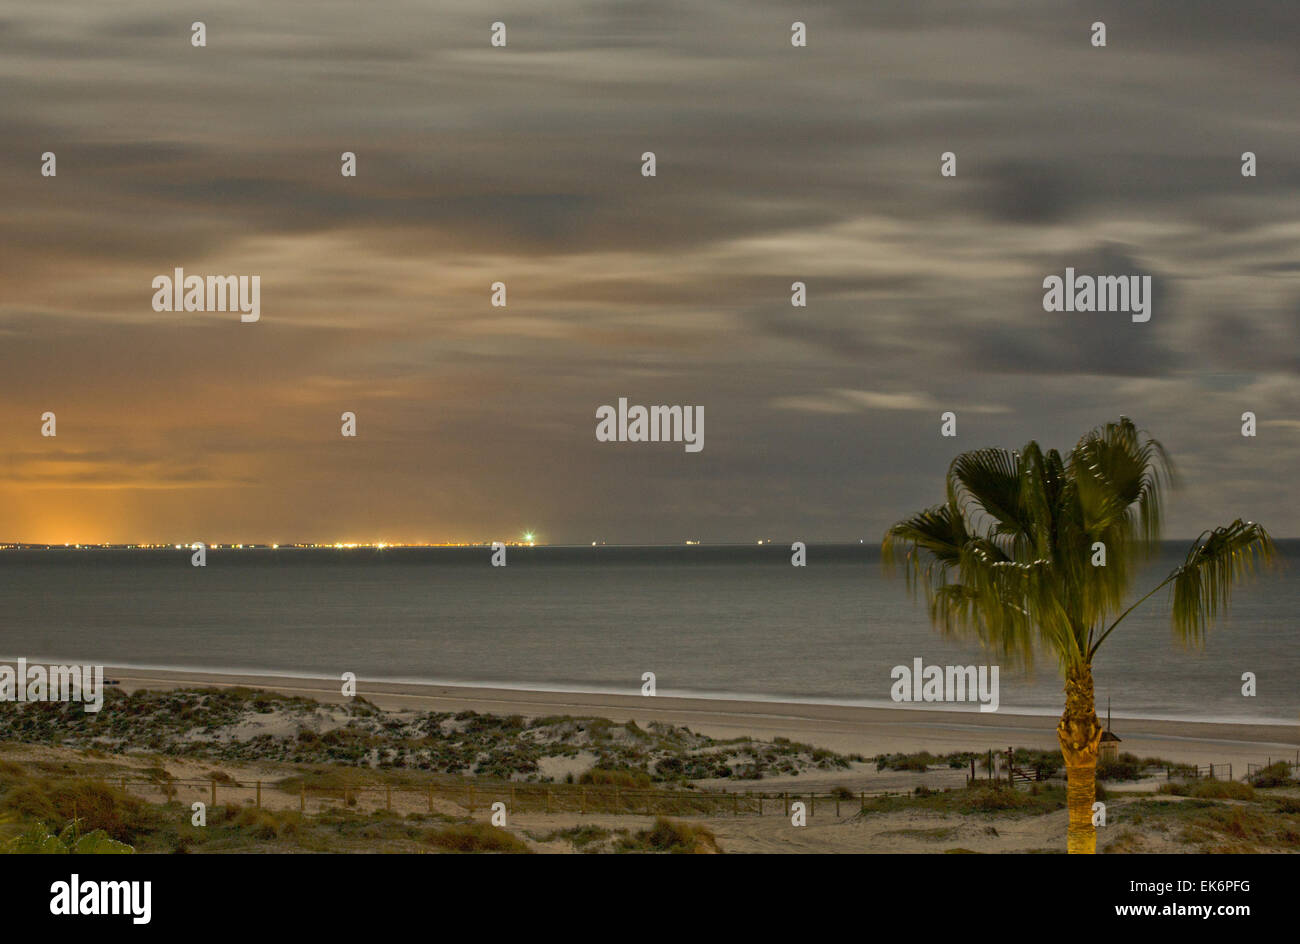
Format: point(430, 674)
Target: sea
point(707, 621)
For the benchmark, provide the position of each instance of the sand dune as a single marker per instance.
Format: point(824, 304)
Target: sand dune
point(867, 731)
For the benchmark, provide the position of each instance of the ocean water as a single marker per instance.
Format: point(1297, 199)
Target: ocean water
point(711, 621)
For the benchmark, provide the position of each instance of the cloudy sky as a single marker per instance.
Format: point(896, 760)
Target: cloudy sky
point(522, 165)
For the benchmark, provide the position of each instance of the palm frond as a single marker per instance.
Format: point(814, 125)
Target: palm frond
point(929, 543)
point(990, 478)
point(1217, 560)
point(1121, 478)
point(1008, 559)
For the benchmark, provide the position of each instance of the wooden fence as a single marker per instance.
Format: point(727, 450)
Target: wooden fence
point(480, 796)
point(1198, 772)
point(1292, 766)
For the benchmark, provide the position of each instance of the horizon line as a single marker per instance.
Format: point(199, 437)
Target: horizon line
point(387, 545)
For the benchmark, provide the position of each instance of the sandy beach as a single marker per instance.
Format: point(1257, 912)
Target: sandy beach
point(858, 807)
point(867, 731)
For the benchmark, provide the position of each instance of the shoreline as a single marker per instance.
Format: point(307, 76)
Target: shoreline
point(846, 729)
point(415, 685)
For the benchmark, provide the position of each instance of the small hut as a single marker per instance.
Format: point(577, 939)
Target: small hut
point(1108, 750)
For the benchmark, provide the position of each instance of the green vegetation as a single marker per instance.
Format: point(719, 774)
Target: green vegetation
point(40, 813)
point(924, 760)
point(475, 837)
point(673, 836)
point(241, 724)
point(981, 797)
point(70, 800)
point(1209, 826)
point(666, 835)
point(38, 840)
point(631, 779)
point(1044, 765)
point(1277, 774)
point(93, 805)
point(1010, 560)
point(1210, 790)
point(582, 838)
point(53, 806)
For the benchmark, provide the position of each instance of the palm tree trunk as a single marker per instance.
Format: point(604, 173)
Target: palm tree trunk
point(1079, 732)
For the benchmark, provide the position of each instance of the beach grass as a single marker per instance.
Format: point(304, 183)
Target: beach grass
point(1202, 816)
point(245, 724)
point(289, 774)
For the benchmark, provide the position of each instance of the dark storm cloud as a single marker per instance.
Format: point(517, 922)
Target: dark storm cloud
point(1252, 344)
point(1021, 192)
point(1086, 342)
point(1247, 28)
point(522, 164)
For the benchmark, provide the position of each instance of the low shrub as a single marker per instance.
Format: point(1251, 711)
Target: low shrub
point(673, 836)
point(475, 837)
point(631, 779)
point(1277, 774)
point(1210, 790)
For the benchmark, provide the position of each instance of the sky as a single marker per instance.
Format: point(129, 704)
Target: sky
point(522, 164)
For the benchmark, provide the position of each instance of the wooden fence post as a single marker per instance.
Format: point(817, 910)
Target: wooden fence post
point(548, 799)
point(785, 798)
point(259, 794)
point(388, 797)
point(302, 797)
point(214, 792)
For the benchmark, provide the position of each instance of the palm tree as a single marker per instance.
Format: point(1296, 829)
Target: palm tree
point(1034, 548)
